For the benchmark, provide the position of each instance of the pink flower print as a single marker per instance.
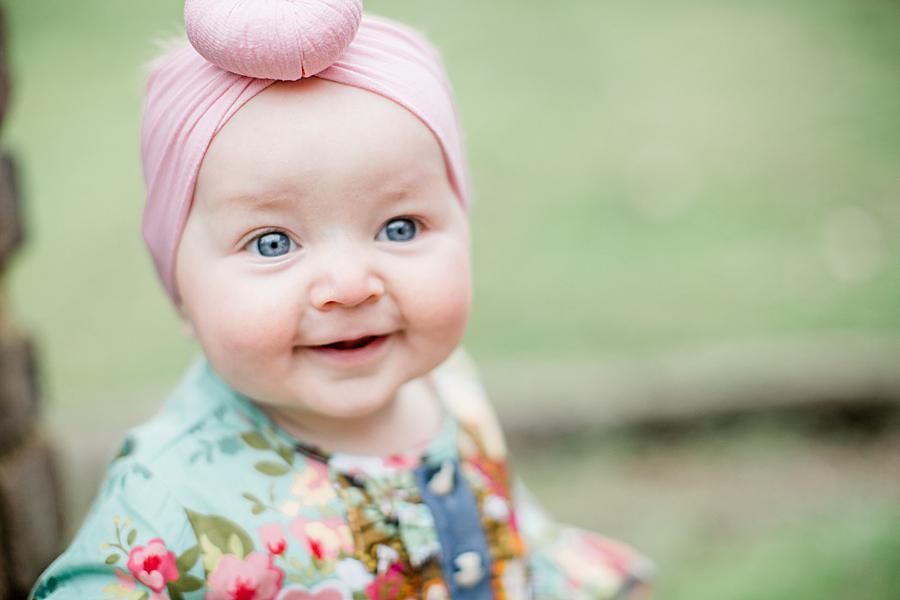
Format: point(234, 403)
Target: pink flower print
point(617, 555)
point(493, 474)
point(312, 485)
point(402, 462)
point(329, 590)
point(130, 583)
point(253, 578)
point(273, 538)
point(388, 585)
point(153, 564)
point(325, 538)
point(514, 521)
point(125, 580)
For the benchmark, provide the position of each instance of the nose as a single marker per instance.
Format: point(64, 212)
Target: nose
point(345, 278)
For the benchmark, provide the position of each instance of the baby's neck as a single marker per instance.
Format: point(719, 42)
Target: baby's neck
point(413, 416)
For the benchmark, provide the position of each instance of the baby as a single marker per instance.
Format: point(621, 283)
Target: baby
point(307, 214)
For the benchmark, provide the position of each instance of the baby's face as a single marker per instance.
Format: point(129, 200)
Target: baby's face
point(325, 261)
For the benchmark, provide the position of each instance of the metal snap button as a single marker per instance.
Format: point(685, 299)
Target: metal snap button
point(441, 483)
point(470, 570)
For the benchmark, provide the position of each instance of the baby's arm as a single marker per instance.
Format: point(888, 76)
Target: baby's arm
point(565, 562)
point(571, 563)
point(136, 544)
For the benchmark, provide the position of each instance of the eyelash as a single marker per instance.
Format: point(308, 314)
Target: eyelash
point(252, 244)
point(420, 226)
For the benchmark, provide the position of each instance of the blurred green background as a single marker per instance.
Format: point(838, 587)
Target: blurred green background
point(652, 178)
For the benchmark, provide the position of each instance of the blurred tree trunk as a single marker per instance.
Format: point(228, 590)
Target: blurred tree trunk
point(30, 517)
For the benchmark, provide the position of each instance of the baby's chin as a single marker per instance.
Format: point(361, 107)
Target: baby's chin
point(349, 402)
point(333, 401)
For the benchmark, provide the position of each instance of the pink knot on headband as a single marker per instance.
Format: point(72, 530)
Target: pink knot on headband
point(272, 39)
point(190, 98)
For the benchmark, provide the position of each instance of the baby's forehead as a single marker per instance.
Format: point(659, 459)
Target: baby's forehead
point(290, 200)
point(313, 137)
point(327, 114)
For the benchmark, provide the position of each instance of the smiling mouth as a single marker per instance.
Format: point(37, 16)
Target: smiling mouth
point(355, 352)
point(352, 344)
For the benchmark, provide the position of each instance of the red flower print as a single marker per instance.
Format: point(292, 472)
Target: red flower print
point(153, 564)
point(253, 578)
point(315, 546)
point(326, 538)
point(388, 585)
point(272, 537)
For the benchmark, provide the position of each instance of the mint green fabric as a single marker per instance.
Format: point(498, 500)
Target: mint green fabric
point(209, 499)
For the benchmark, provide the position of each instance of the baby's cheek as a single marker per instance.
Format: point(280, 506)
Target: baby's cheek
point(445, 296)
point(249, 324)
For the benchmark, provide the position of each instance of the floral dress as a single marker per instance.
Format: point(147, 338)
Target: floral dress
point(210, 499)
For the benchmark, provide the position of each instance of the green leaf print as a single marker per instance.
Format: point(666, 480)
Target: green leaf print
point(218, 536)
point(188, 559)
point(126, 449)
point(189, 583)
point(255, 440)
point(272, 469)
point(112, 559)
point(45, 587)
point(229, 445)
point(252, 498)
point(120, 592)
point(286, 453)
point(131, 537)
point(258, 505)
point(235, 546)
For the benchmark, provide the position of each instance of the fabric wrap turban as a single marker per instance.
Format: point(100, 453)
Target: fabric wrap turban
point(189, 99)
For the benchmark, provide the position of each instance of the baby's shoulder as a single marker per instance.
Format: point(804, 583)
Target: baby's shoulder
point(459, 385)
point(183, 487)
point(196, 441)
point(172, 433)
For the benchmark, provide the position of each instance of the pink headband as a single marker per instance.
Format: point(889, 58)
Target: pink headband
point(188, 100)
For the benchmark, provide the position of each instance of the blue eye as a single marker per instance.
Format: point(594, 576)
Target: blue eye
point(401, 229)
point(272, 244)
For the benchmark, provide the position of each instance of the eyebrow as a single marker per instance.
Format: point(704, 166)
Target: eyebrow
point(280, 202)
point(264, 202)
point(383, 193)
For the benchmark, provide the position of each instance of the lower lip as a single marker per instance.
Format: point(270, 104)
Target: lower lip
point(355, 356)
